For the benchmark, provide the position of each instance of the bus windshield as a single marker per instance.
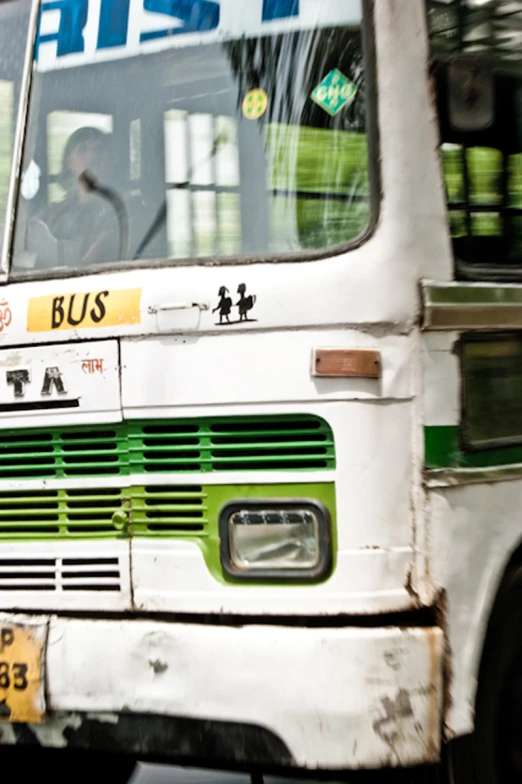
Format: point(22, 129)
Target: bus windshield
point(14, 19)
point(187, 130)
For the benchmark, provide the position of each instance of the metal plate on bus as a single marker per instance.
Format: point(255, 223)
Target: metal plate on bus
point(22, 692)
point(65, 384)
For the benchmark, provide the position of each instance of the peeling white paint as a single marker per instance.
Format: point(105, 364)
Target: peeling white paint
point(53, 733)
point(314, 688)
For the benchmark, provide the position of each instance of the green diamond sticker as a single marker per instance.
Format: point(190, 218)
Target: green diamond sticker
point(334, 92)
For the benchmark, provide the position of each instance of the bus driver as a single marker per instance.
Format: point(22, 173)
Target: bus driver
point(84, 222)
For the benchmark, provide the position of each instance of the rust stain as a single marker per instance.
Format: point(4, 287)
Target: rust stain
point(434, 713)
point(441, 615)
point(410, 589)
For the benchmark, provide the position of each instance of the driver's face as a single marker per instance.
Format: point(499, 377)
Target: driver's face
point(86, 156)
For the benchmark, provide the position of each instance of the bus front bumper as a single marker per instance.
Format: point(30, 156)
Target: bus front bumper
point(268, 695)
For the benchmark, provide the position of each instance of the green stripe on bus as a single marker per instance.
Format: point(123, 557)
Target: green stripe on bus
point(443, 449)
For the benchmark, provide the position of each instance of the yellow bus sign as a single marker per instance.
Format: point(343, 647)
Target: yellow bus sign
point(86, 309)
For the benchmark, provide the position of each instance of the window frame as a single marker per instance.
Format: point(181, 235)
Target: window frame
point(16, 163)
point(374, 181)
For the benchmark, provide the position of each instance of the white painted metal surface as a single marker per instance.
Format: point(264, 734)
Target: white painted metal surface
point(167, 372)
point(172, 576)
point(441, 379)
point(472, 530)
point(338, 698)
point(475, 530)
point(83, 377)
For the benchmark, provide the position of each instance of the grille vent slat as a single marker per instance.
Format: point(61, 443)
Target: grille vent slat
point(59, 513)
point(189, 446)
point(60, 574)
point(169, 510)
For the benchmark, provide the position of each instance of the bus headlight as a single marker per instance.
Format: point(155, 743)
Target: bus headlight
point(275, 538)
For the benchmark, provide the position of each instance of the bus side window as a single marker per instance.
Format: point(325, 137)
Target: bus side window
point(492, 405)
point(484, 196)
point(482, 167)
point(473, 190)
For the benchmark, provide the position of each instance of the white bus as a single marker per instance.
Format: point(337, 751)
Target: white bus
point(260, 376)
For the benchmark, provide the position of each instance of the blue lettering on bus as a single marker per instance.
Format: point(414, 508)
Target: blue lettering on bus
point(279, 9)
point(73, 18)
point(114, 23)
point(198, 16)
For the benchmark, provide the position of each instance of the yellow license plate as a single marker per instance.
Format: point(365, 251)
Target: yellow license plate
point(22, 695)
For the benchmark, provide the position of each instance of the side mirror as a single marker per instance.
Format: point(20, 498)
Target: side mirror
point(471, 94)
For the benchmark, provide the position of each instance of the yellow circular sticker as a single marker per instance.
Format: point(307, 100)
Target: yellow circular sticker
point(255, 104)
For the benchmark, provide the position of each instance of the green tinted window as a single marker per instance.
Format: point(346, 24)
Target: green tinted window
point(492, 378)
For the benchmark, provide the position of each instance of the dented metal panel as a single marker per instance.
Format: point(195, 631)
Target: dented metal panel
point(336, 698)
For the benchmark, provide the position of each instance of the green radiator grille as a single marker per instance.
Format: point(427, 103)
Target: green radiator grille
point(169, 510)
point(35, 454)
point(59, 513)
point(153, 511)
point(103, 512)
point(151, 447)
